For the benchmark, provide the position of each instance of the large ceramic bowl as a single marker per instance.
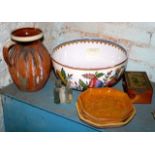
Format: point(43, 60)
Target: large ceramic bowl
point(89, 63)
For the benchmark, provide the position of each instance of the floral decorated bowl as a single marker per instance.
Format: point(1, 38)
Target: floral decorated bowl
point(89, 63)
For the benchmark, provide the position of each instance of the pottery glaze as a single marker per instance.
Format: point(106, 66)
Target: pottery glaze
point(89, 63)
point(28, 60)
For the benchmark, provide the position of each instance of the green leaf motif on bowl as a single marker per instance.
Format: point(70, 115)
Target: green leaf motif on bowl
point(83, 85)
point(63, 76)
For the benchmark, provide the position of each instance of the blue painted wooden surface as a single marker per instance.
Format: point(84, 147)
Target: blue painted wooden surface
point(37, 112)
point(21, 117)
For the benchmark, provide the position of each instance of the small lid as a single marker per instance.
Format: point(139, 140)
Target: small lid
point(27, 34)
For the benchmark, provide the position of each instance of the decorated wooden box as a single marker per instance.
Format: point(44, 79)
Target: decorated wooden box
point(137, 84)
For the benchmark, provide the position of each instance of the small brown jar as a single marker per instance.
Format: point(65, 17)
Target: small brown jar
point(28, 60)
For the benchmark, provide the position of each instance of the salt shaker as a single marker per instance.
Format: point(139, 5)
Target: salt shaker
point(56, 91)
point(68, 93)
point(62, 94)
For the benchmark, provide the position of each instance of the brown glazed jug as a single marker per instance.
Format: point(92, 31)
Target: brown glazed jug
point(28, 60)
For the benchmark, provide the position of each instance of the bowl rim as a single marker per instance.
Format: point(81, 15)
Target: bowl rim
point(103, 41)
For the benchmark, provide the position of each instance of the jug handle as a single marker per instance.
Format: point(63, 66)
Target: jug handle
point(6, 50)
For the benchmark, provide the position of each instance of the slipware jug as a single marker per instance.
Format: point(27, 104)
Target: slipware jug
point(28, 60)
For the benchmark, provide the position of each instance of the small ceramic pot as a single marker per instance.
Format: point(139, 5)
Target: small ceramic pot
point(28, 60)
point(89, 63)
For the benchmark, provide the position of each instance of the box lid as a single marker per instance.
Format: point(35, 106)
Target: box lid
point(137, 80)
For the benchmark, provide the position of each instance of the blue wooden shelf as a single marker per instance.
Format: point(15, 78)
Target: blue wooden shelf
point(36, 111)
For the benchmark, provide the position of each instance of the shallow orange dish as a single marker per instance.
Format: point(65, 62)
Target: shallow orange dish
point(105, 107)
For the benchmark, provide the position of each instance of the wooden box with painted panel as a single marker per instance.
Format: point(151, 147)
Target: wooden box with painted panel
point(138, 84)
